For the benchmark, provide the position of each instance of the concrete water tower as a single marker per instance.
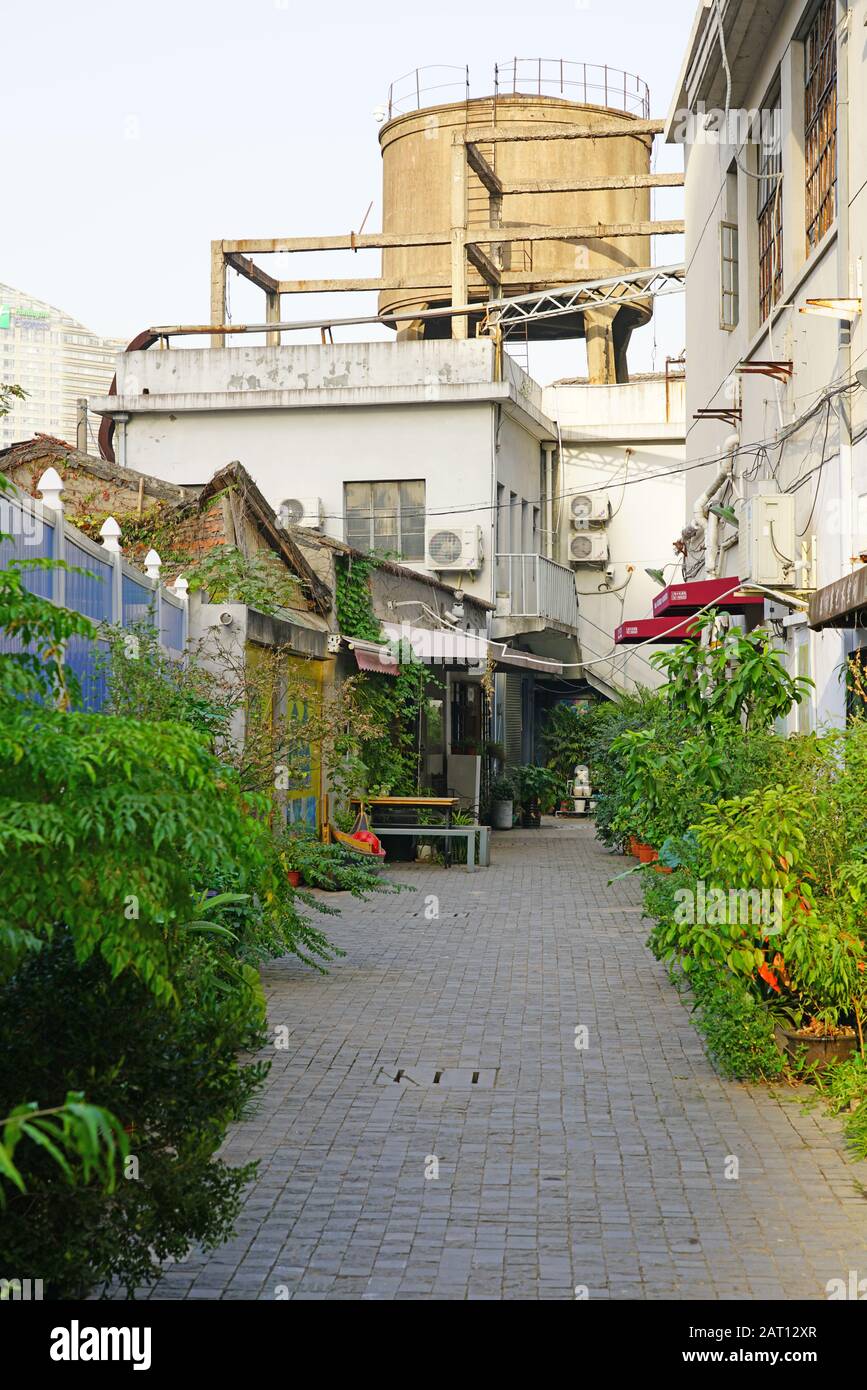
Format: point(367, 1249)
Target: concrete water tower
point(557, 157)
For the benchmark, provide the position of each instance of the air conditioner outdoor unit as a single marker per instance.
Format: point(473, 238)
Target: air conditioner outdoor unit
point(301, 511)
point(589, 548)
point(589, 509)
point(767, 540)
point(453, 547)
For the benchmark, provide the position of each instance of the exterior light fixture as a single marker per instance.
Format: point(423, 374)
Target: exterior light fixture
point(845, 309)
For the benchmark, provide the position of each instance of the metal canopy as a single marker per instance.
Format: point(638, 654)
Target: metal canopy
point(689, 598)
point(841, 604)
point(654, 630)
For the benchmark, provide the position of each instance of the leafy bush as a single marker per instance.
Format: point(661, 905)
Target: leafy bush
point(332, 866)
point(843, 1088)
point(535, 785)
point(569, 735)
point(740, 678)
point(502, 787)
point(122, 1006)
point(230, 576)
point(171, 1077)
point(737, 1028)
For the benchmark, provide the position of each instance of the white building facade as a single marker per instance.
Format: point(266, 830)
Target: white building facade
point(770, 108)
point(443, 455)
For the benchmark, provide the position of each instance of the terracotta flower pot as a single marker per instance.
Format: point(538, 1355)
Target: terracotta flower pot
point(632, 847)
point(819, 1051)
point(294, 877)
point(646, 854)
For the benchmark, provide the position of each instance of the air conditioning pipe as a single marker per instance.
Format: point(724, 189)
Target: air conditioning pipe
point(704, 522)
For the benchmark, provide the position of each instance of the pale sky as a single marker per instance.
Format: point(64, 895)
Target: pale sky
point(136, 133)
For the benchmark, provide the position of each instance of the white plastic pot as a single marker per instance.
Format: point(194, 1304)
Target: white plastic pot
point(501, 815)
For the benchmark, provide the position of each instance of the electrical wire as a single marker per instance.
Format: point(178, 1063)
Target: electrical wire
point(818, 474)
point(756, 447)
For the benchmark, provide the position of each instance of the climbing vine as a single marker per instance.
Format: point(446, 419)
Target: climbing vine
point(395, 702)
point(156, 528)
point(352, 598)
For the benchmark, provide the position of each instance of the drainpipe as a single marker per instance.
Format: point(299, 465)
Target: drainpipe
point(704, 521)
point(549, 499)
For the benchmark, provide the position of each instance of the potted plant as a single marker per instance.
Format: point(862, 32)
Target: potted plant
point(291, 865)
point(502, 801)
point(536, 789)
point(290, 860)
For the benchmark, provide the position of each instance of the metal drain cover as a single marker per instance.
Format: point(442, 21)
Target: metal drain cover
point(457, 1078)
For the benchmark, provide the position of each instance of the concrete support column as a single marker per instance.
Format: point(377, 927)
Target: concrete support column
point(459, 230)
point(272, 315)
point(81, 424)
point(412, 331)
point(599, 333)
point(218, 291)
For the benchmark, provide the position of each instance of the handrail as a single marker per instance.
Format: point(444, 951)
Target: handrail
point(589, 84)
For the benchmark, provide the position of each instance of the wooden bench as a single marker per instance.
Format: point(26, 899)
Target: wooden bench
point(448, 832)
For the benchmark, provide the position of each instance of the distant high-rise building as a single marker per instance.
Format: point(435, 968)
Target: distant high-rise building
point(56, 360)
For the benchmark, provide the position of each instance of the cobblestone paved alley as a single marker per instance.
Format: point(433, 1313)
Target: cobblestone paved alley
point(603, 1168)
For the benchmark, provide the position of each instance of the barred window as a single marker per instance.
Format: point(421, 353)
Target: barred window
point(387, 517)
point(820, 121)
point(770, 217)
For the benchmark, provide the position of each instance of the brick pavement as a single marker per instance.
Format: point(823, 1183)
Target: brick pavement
point(602, 1168)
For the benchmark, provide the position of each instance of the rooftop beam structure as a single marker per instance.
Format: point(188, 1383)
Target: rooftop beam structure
point(637, 284)
point(493, 135)
point(483, 170)
point(594, 294)
point(490, 273)
point(595, 184)
point(466, 244)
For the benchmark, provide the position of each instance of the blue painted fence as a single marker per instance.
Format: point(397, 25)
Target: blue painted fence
point(111, 591)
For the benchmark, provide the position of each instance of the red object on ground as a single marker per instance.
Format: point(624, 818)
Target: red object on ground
point(646, 854)
point(367, 837)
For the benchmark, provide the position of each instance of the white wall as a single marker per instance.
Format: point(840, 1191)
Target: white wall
point(306, 419)
point(646, 493)
point(827, 505)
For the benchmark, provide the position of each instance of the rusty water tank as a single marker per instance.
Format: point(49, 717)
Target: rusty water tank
point(416, 144)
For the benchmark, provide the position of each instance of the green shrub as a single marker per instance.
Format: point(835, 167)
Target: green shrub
point(172, 1078)
point(332, 866)
point(737, 1028)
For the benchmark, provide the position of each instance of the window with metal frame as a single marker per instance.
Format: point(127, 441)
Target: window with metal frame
point(820, 122)
point(770, 214)
point(387, 517)
point(728, 272)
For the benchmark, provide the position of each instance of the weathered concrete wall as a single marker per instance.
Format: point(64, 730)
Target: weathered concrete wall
point(305, 367)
